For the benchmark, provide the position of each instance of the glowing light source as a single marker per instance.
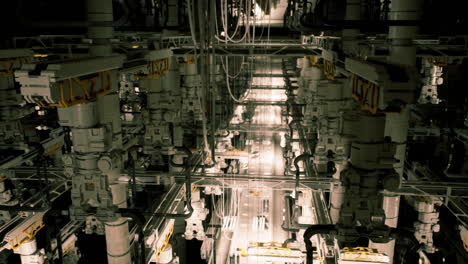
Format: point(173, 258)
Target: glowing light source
point(267, 115)
point(272, 95)
point(271, 81)
point(267, 157)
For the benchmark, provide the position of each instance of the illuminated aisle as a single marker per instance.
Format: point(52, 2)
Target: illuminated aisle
point(261, 209)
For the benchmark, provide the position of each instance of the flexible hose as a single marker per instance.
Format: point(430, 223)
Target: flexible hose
point(303, 158)
point(226, 70)
point(191, 23)
point(188, 195)
point(311, 231)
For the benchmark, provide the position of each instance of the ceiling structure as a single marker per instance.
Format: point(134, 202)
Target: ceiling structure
point(232, 131)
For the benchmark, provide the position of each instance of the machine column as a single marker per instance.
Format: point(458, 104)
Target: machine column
point(402, 52)
point(100, 30)
point(117, 232)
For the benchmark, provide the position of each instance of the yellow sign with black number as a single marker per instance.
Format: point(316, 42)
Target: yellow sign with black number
point(366, 93)
point(156, 69)
point(363, 254)
point(329, 70)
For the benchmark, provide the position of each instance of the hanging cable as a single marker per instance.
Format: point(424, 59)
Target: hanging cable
point(224, 17)
point(191, 24)
point(205, 132)
point(228, 85)
point(238, 73)
point(224, 21)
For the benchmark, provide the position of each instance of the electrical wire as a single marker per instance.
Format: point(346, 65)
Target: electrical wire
point(224, 24)
point(224, 21)
point(224, 18)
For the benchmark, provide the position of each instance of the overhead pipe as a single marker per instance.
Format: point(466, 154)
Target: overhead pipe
point(303, 158)
point(315, 230)
point(188, 198)
point(188, 195)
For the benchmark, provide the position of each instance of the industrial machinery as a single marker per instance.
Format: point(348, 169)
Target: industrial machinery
point(219, 131)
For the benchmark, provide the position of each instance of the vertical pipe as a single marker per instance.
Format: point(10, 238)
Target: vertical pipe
point(117, 232)
point(117, 235)
point(353, 12)
point(402, 51)
point(214, 90)
point(100, 27)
